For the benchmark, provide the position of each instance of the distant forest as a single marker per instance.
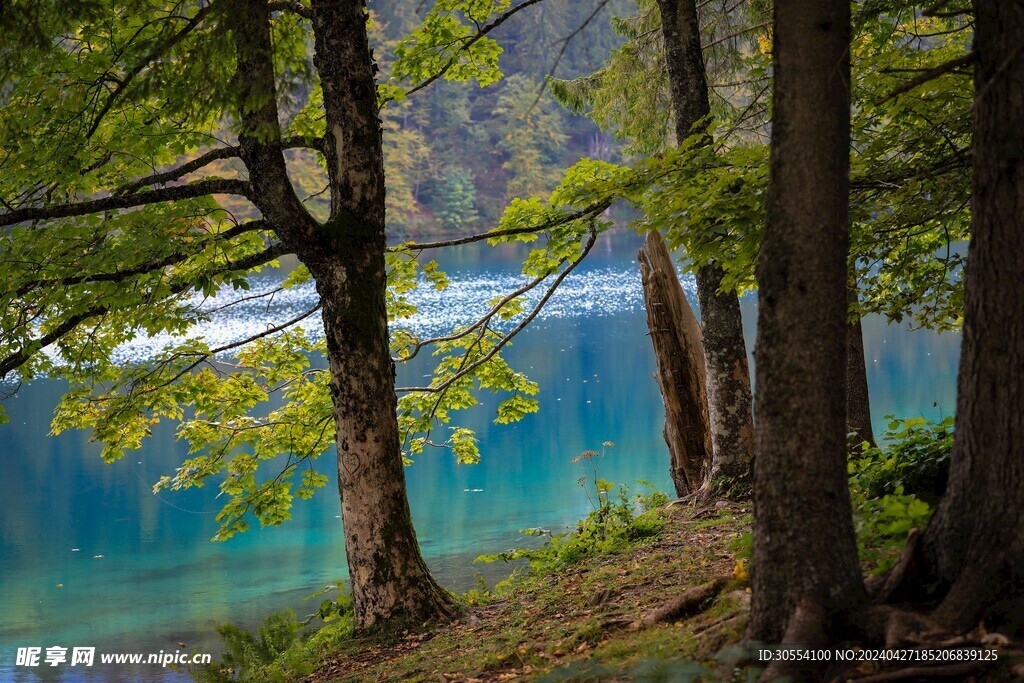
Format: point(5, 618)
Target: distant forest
point(456, 153)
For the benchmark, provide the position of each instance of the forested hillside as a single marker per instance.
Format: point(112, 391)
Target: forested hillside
point(457, 153)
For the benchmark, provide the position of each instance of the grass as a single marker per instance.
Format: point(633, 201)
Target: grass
point(574, 624)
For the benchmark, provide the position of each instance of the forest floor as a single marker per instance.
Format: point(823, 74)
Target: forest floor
point(672, 608)
point(580, 623)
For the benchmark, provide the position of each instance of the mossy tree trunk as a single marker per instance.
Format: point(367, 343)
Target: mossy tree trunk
point(805, 571)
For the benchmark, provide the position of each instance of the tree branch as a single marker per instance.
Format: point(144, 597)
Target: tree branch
point(123, 274)
point(565, 46)
point(154, 54)
point(587, 212)
point(202, 160)
point(484, 30)
point(443, 386)
point(483, 320)
point(292, 6)
point(15, 360)
point(200, 188)
point(930, 74)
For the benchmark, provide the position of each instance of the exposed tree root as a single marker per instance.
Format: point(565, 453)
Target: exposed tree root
point(899, 572)
point(808, 625)
point(890, 626)
point(689, 603)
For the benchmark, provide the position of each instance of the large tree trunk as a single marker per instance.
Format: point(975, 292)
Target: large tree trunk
point(728, 375)
point(973, 550)
point(805, 572)
point(676, 336)
point(389, 578)
point(858, 403)
point(390, 581)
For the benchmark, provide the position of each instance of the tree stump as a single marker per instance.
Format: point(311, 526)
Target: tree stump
point(682, 374)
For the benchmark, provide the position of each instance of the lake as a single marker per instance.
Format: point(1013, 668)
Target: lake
point(89, 556)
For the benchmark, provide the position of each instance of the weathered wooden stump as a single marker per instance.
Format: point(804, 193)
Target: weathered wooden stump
point(682, 374)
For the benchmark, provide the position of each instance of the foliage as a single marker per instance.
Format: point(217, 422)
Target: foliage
point(456, 123)
point(893, 488)
point(909, 167)
point(530, 134)
point(915, 457)
point(281, 650)
point(615, 524)
point(248, 656)
point(331, 610)
point(124, 215)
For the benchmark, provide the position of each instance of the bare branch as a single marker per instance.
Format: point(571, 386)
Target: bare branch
point(929, 75)
point(199, 162)
point(736, 34)
point(587, 212)
point(443, 386)
point(200, 188)
point(482, 321)
point(176, 173)
point(565, 46)
point(292, 6)
point(267, 332)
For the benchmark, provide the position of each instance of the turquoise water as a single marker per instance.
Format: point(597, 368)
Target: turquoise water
point(90, 557)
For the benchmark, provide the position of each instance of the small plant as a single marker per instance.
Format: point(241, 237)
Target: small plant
point(338, 608)
point(282, 649)
point(915, 457)
point(615, 524)
point(248, 655)
point(894, 488)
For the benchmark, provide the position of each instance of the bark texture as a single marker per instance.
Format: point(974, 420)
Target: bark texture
point(728, 374)
point(676, 336)
point(973, 550)
point(389, 577)
point(858, 402)
point(345, 255)
point(805, 573)
point(729, 398)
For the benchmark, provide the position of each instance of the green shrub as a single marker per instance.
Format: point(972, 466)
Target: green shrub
point(915, 456)
point(282, 649)
point(893, 488)
point(617, 522)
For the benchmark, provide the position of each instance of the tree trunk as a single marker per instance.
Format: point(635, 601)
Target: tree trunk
point(974, 546)
point(390, 581)
point(729, 399)
point(858, 404)
point(389, 577)
point(728, 374)
point(805, 573)
point(676, 336)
